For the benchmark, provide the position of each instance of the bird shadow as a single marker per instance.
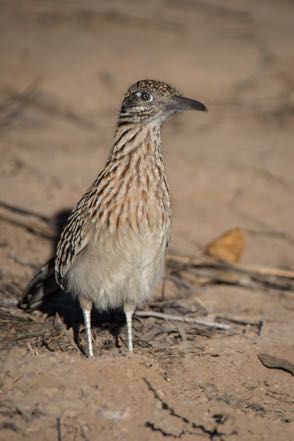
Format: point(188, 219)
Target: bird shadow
point(68, 308)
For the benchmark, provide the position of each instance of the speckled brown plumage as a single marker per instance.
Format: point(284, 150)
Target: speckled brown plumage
point(112, 249)
point(131, 191)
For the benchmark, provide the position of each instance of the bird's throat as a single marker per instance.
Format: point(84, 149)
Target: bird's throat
point(136, 138)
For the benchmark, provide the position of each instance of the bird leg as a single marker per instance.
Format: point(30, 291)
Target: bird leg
point(86, 308)
point(87, 322)
point(129, 311)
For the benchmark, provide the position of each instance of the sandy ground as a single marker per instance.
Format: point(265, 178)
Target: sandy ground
point(64, 68)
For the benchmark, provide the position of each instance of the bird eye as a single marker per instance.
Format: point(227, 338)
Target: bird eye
point(146, 96)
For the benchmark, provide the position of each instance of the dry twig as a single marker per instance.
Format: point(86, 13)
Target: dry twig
point(209, 271)
point(184, 319)
point(33, 222)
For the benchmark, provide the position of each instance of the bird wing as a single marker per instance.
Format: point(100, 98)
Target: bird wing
point(76, 234)
point(74, 238)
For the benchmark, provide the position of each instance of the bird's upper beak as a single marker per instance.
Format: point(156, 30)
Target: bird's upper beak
point(182, 103)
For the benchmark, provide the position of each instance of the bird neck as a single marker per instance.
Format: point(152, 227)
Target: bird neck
point(132, 188)
point(136, 139)
point(133, 184)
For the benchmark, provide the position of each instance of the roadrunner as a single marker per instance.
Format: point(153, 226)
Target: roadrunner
point(112, 249)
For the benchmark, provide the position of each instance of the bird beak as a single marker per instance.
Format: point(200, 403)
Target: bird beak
point(182, 103)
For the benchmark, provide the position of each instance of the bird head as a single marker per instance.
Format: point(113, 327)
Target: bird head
point(150, 100)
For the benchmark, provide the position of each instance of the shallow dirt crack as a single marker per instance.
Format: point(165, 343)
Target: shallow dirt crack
point(212, 434)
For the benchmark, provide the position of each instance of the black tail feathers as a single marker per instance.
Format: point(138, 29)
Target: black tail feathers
point(40, 289)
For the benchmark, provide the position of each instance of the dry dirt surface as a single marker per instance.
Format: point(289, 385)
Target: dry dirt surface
point(64, 68)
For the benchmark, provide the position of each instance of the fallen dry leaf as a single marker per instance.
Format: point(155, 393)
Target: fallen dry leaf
point(276, 363)
point(229, 246)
